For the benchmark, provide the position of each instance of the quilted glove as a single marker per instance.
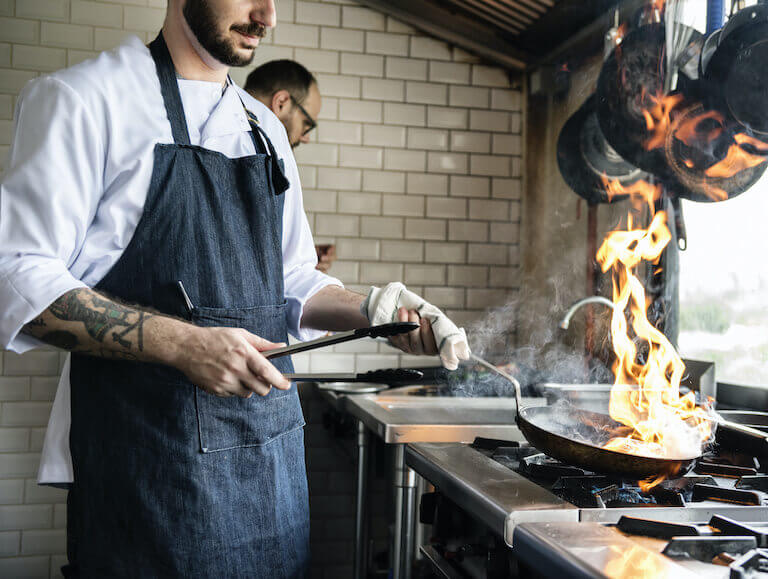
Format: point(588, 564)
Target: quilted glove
point(381, 305)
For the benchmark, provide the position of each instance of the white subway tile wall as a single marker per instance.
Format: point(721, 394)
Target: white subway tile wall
point(413, 172)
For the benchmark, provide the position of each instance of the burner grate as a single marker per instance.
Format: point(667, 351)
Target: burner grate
point(754, 483)
point(723, 469)
point(752, 564)
point(586, 489)
point(658, 529)
point(702, 492)
point(730, 527)
point(707, 548)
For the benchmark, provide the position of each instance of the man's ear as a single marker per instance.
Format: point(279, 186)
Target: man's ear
point(281, 101)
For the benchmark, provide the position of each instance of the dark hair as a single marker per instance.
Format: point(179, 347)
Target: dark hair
point(275, 75)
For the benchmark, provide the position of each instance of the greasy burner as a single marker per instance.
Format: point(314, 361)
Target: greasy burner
point(590, 490)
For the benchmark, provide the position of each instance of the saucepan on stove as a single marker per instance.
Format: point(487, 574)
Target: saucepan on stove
point(575, 436)
point(736, 430)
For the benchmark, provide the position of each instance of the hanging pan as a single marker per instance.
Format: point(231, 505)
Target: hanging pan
point(707, 158)
point(630, 93)
point(586, 159)
point(576, 436)
point(735, 71)
point(631, 76)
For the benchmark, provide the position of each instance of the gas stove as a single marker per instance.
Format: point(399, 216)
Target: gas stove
point(505, 509)
point(724, 477)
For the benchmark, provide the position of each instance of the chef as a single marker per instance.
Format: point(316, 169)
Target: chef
point(151, 223)
point(290, 91)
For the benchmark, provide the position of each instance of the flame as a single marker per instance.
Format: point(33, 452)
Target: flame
point(745, 139)
point(690, 132)
point(658, 118)
point(639, 192)
point(646, 392)
point(621, 32)
point(735, 161)
point(701, 136)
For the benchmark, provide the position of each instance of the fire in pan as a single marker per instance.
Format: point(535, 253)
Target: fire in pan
point(575, 436)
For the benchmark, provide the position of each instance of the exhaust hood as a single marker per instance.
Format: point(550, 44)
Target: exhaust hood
point(517, 34)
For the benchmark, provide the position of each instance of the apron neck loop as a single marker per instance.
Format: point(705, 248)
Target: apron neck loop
point(279, 181)
point(170, 90)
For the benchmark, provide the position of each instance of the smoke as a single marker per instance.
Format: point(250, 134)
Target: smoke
point(525, 333)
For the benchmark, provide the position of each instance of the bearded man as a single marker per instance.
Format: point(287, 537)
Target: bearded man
point(152, 225)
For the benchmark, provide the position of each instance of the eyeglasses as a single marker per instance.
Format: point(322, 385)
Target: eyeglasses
point(309, 122)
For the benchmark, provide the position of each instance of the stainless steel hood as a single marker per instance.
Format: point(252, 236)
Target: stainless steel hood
point(516, 34)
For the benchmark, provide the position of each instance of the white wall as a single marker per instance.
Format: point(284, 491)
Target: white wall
point(414, 174)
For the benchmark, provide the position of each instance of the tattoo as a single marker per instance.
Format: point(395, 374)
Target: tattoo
point(100, 316)
point(61, 339)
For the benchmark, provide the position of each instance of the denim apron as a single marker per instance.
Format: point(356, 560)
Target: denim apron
point(171, 481)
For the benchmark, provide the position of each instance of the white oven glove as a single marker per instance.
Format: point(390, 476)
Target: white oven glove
point(381, 305)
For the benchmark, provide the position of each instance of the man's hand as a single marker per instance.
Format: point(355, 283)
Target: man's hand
point(228, 362)
point(326, 255)
point(395, 301)
point(420, 341)
point(222, 361)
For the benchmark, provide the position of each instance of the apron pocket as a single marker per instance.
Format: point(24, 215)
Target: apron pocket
point(234, 422)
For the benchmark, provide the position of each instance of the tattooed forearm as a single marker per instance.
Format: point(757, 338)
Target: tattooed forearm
point(101, 316)
point(61, 339)
point(85, 321)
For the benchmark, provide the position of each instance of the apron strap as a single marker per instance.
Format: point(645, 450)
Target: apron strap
point(276, 166)
point(170, 89)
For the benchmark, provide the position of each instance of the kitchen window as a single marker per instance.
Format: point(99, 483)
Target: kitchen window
point(724, 286)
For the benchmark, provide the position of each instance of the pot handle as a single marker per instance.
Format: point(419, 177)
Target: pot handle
point(503, 374)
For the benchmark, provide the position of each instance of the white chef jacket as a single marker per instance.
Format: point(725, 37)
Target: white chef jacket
point(76, 181)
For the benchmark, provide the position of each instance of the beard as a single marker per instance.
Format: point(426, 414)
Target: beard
point(203, 23)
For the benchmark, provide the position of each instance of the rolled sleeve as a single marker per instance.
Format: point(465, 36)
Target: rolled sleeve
point(47, 198)
point(300, 285)
point(26, 291)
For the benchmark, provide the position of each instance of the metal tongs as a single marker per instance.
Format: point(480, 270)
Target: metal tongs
point(399, 375)
point(381, 331)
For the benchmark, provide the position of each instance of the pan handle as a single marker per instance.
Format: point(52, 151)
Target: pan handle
point(503, 374)
point(753, 432)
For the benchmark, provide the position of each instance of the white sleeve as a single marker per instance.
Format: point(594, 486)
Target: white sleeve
point(48, 196)
point(300, 277)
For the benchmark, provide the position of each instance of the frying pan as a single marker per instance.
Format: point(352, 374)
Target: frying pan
point(734, 68)
point(585, 158)
point(630, 75)
point(553, 430)
point(691, 182)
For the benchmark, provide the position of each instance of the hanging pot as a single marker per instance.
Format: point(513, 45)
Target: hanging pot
point(631, 76)
point(736, 72)
point(704, 160)
point(585, 157)
point(631, 85)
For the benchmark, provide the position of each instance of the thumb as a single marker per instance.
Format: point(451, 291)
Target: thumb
point(262, 344)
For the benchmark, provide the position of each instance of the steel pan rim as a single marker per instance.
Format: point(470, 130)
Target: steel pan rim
point(653, 463)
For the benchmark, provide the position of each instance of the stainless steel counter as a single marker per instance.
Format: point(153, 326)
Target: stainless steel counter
point(497, 495)
point(591, 550)
point(402, 419)
point(399, 418)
